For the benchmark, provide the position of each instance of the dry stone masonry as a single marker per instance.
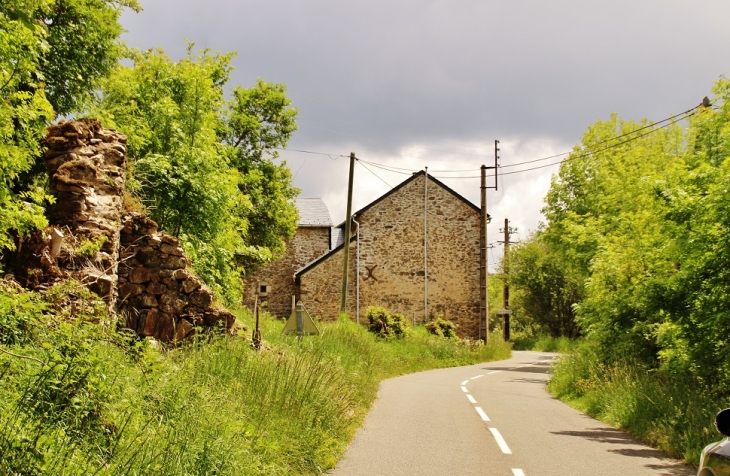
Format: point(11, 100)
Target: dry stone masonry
point(140, 272)
point(157, 293)
point(86, 175)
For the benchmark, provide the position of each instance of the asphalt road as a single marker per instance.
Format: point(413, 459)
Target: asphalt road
point(491, 419)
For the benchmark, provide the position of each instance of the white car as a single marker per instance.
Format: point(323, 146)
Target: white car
point(715, 458)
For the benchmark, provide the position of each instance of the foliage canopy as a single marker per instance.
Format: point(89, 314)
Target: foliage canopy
point(636, 243)
point(203, 166)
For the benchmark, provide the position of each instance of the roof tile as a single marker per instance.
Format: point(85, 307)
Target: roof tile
point(313, 212)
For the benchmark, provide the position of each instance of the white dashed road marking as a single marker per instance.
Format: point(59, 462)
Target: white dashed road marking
point(500, 441)
point(483, 415)
point(495, 432)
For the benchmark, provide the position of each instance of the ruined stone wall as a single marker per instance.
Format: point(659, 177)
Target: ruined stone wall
point(158, 295)
point(308, 244)
point(140, 272)
point(392, 260)
point(86, 175)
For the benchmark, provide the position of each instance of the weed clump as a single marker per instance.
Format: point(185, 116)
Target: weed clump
point(442, 328)
point(385, 325)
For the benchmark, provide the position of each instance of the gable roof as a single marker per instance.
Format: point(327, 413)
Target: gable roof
point(313, 213)
point(406, 182)
point(314, 263)
point(340, 241)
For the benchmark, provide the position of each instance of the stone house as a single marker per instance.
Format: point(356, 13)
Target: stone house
point(274, 284)
point(415, 250)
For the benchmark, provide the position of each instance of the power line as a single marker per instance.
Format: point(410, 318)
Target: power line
point(686, 114)
point(607, 140)
point(388, 168)
point(405, 171)
point(376, 175)
point(612, 146)
point(330, 155)
point(392, 168)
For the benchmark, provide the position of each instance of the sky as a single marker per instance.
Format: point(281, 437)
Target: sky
point(425, 83)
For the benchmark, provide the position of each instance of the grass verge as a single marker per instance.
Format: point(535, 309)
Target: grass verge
point(79, 397)
point(673, 413)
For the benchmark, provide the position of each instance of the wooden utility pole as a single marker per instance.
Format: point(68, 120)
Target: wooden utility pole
point(483, 264)
point(348, 226)
point(484, 247)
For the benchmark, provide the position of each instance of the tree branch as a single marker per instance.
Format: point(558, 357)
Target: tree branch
point(22, 356)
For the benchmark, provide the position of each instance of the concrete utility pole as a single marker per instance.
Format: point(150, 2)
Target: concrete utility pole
point(506, 265)
point(348, 230)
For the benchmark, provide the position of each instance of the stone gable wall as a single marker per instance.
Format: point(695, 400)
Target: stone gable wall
point(392, 264)
point(308, 244)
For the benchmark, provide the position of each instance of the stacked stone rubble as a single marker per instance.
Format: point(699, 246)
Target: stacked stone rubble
point(158, 296)
point(140, 273)
point(86, 175)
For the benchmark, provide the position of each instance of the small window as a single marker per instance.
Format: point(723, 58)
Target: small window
point(264, 289)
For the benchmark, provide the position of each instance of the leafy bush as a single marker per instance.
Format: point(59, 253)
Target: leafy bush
point(89, 248)
point(442, 328)
point(385, 325)
point(17, 310)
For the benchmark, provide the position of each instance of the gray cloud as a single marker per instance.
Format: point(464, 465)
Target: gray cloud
point(384, 78)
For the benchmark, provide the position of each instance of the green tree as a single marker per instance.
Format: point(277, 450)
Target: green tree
point(52, 52)
point(83, 47)
point(170, 113)
point(544, 288)
point(204, 168)
point(24, 113)
point(605, 219)
point(694, 337)
point(258, 121)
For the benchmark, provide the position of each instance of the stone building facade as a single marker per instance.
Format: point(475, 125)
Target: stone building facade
point(274, 284)
point(392, 271)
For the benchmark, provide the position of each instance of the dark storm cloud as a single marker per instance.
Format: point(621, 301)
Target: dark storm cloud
point(389, 73)
point(424, 83)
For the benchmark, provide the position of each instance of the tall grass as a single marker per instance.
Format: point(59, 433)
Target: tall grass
point(79, 397)
point(545, 343)
point(674, 413)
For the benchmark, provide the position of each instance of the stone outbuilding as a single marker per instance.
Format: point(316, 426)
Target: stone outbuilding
point(274, 284)
point(414, 250)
